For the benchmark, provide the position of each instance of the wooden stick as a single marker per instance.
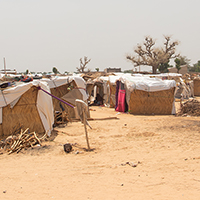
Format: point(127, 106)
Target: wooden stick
point(37, 138)
point(86, 135)
point(93, 119)
point(44, 136)
point(13, 144)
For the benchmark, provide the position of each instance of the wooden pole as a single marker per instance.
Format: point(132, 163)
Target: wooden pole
point(4, 60)
point(86, 135)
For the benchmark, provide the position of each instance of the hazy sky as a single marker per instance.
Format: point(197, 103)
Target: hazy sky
point(40, 34)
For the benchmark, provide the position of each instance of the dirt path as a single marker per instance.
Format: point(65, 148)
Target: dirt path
point(134, 157)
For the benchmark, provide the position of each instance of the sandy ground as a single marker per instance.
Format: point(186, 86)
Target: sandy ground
point(134, 157)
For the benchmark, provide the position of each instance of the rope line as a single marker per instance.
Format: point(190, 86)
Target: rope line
point(39, 88)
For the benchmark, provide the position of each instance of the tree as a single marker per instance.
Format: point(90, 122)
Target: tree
point(178, 64)
point(83, 64)
point(149, 55)
point(196, 67)
point(55, 70)
point(97, 69)
point(163, 67)
point(128, 71)
point(184, 60)
point(27, 71)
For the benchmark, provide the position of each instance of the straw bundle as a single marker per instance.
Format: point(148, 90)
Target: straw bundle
point(148, 103)
point(23, 114)
point(196, 87)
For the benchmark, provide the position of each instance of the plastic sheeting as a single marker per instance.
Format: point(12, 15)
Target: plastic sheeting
point(147, 84)
point(70, 96)
point(44, 101)
point(143, 83)
point(58, 81)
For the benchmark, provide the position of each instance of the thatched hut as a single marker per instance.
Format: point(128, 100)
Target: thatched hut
point(24, 106)
point(196, 83)
point(67, 88)
point(143, 95)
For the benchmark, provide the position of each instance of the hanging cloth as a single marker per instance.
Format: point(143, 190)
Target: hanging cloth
point(121, 98)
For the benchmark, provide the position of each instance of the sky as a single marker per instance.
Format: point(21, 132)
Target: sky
point(41, 34)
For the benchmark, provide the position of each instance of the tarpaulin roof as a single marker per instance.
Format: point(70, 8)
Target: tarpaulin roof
point(61, 80)
point(143, 83)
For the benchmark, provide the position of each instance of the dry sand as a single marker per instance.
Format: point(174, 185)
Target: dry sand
point(164, 149)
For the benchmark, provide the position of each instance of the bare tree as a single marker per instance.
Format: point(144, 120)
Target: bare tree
point(83, 64)
point(149, 55)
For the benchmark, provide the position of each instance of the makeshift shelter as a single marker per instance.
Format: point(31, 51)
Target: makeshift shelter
point(184, 89)
point(112, 90)
point(196, 82)
point(144, 95)
point(95, 89)
point(67, 88)
point(25, 106)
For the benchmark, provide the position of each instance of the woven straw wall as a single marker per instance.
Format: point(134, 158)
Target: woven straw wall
point(60, 92)
point(148, 103)
point(24, 114)
point(89, 89)
point(196, 87)
point(112, 95)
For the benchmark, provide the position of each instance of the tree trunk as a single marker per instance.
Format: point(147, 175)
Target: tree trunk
point(154, 69)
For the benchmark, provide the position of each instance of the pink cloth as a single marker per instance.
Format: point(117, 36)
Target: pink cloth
point(121, 101)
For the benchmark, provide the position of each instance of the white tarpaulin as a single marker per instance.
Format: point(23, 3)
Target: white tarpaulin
point(143, 83)
point(61, 80)
point(147, 84)
point(44, 101)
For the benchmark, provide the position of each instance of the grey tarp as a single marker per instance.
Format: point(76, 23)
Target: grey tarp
point(72, 96)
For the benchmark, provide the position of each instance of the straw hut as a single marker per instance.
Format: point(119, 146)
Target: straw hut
point(24, 106)
point(196, 83)
point(67, 88)
point(145, 96)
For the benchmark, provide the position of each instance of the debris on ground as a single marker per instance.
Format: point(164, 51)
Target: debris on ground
point(67, 147)
point(189, 108)
point(61, 117)
point(132, 164)
point(24, 140)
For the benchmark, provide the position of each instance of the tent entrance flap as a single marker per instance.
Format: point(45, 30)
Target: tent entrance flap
point(72, 96)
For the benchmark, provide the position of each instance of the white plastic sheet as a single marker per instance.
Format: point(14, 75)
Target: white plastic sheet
point(147, 84)
point(143, 83)
point(58, 81)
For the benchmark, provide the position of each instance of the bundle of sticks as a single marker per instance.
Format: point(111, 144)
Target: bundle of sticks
point(24, 140)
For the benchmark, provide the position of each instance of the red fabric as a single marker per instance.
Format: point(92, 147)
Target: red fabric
point(121, 101)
